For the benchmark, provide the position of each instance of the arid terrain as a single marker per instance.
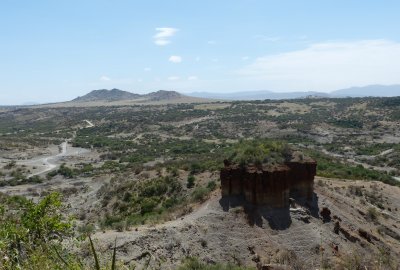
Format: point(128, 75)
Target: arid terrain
point(148, 176)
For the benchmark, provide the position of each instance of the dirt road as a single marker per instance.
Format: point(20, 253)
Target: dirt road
point(48, 163)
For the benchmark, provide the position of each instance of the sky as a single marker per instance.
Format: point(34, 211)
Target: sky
point(57, 50)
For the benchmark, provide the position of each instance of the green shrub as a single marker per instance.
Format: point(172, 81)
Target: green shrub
point(212, 185)
point(199, 194)
point(372, 214)
point(258, 152)
point(29, 231)
point(190, 181)
point(147, 205)
point(65, 171)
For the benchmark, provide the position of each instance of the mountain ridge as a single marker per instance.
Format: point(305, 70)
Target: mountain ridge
point(363, 91)
point(120, 95)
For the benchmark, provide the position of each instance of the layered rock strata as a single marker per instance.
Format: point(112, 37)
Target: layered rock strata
point(269, 185)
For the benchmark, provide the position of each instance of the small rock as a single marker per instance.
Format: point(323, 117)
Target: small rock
point(326, 214)
point(336, 228)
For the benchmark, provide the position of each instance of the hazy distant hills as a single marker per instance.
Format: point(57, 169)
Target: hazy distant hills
point(257, 95)
point(119, 97)
point(366, 91)
point(113, 95)
point(104, 95)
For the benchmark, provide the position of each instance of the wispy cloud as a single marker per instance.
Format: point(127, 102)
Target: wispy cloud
point(163, 35)
point(192, 78)
point(328, 66)
point(175, 59)
point(105, 78)
point(173, 78)
point(147, 69)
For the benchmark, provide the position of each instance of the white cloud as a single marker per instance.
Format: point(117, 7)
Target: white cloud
point(328, 66)
point(175, 59)
point(163, 35)
point(105, 78)
point(147, 69)
point(173, 78)
point(192, 78)
point(161, 42)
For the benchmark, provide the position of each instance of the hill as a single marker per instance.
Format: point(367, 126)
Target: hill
point(106, 95)
point(368, 91)
point(163, 95)
point(365, 91)
point(257, 95)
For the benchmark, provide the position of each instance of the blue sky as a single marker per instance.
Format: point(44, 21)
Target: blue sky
point(57, 50)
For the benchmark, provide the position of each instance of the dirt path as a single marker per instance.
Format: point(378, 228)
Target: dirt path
point(49, 163)
point(89, 123)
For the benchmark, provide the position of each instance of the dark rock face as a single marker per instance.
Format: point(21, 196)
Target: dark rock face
point(269, 185)
point(326, 214)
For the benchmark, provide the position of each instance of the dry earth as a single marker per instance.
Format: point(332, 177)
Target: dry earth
point(224, 230)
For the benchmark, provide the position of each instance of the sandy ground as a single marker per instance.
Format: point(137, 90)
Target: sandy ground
point(47, 163)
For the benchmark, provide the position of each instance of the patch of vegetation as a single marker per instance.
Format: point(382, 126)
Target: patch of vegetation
point(139, 202)
point(348, 123)
point(31, 232)
point(259, 152)
point(195, 264)
point(20, 179)
point(333, 168)
point(190, 181)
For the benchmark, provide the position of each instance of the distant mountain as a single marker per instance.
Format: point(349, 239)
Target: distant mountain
point(106, 95)
point(370, 90)
point(109, 96)
point(366, 91)
point(162, 95)
point(119, 95)
point(30, 103)
point(257, 95)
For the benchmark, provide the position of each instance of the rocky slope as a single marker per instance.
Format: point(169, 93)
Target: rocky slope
point(337, 231)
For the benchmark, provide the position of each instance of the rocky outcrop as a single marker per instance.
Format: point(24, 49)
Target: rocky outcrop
point(302, 178)
point(270, 185)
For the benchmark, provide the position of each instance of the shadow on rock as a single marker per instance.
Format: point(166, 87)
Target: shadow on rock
point(278, 218)
point(232, 201)
point(311, 205)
